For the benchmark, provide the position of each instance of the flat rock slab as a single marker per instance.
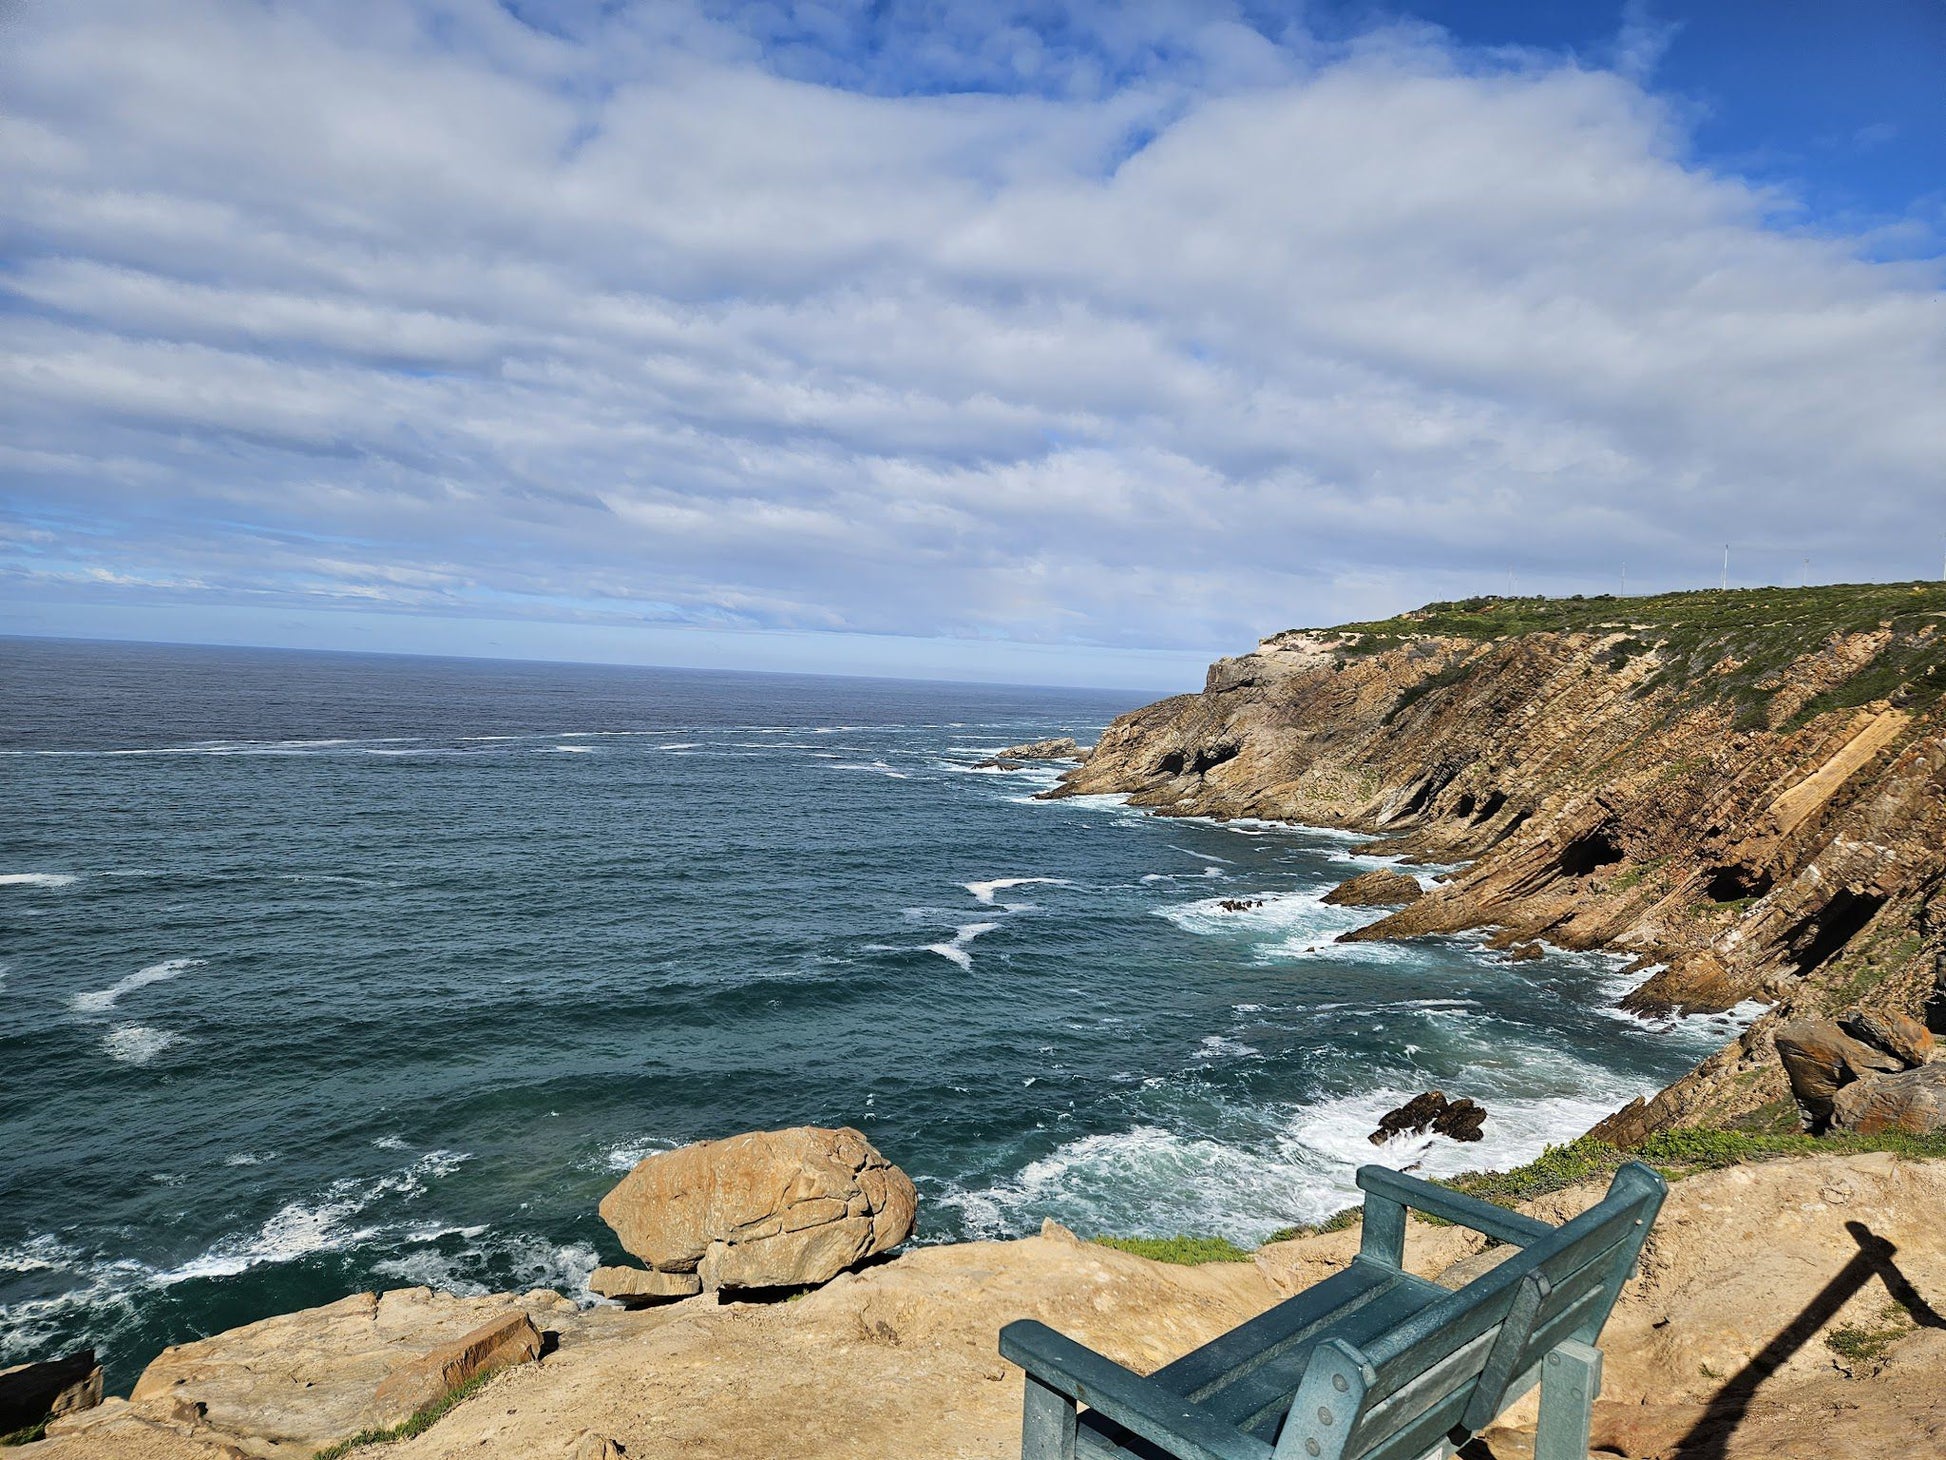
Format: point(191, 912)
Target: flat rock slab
point(1383, 888)
point(639, 1285)
point(291, 1385)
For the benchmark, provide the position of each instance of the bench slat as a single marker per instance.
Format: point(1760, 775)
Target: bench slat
point(1258, 1396)
point(1262, 1338)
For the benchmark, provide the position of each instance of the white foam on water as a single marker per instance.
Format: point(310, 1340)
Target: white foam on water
point(627, 1155)
point(1284, 925)
point(482, 1265)
point(564, 750)
point(249, 1158)
point(38, 879)
point(390, 1143)
point(955, 951)
point(682, 745)
point(983, 891)
point(1223, 1047)
point(324, 1224)
point(102, 1000)
point(137, 1044)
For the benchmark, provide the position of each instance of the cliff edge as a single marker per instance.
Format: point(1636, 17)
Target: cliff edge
point(1744, 788)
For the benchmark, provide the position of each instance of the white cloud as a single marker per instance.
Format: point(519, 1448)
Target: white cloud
point(658, 318)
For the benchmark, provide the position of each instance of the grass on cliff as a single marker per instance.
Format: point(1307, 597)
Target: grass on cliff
point(33, 1432)
point(424, 1420)
point(1728, 645)
point(1186, 1250)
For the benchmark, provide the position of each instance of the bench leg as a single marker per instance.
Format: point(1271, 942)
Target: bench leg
point(1046, 1423)
point(1570, 1380)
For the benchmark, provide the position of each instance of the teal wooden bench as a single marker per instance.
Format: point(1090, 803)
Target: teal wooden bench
point(1372, 1363)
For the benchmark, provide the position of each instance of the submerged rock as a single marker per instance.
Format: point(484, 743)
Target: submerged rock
point(1383, 888)
point(769, 1209)
point(1459, 1120)
point(1240, 904)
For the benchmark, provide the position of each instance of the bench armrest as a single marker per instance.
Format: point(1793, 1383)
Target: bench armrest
point(1388, 1194)
point(1131, 1401)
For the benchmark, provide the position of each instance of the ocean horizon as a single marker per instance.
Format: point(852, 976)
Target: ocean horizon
point(323, 972)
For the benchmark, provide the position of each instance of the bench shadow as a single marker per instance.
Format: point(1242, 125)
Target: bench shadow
point(1709, 1437)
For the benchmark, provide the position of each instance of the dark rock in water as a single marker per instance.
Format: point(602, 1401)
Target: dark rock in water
point(1010, 759)
point(1240, 904)
point(1898, 1035)
point(30, 1393)
point(1382, 888)
point(1459, 1120)
point(1523, 953)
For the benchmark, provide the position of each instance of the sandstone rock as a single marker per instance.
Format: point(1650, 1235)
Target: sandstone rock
point(637, 1286)
point(1696, 983)
point(1525, 953)
point(769, 1209)
point(1063, 748)
point(1382, 888)
point(1913, 1102)
point(1887, 1029)
point(298, 1382)
point(494, 1345)
point(30, 1393)
point(1820, 1059)
point(1459, 1120)
point(591, 1446)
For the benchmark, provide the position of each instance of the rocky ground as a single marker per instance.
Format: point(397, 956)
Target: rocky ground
point(1785, 1309)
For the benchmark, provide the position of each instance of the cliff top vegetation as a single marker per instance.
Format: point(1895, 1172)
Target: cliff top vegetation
point(1733, 644)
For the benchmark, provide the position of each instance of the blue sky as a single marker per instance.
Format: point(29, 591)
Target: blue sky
point(1074, 344)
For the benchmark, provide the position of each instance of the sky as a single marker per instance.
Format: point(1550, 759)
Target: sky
point(1070, 344)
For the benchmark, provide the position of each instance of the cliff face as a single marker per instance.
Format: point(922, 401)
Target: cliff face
point(1747, 787)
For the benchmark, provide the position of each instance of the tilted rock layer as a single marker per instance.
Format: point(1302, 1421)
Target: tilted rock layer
point(1749, 788)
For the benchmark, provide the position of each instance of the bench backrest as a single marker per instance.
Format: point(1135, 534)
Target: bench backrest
point(1458, 1362)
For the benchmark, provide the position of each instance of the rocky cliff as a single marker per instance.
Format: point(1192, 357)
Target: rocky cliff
point(1743, 787)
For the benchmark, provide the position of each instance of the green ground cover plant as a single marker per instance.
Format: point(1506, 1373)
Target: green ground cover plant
point(1186, 1250)
point(424, 1420)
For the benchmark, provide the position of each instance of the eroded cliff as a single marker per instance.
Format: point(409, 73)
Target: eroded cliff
point(1746, 787)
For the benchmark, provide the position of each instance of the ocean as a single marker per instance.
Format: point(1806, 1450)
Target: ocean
point(326, 972)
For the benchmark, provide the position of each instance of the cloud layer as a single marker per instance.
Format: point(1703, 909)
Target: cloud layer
point(1157, 332)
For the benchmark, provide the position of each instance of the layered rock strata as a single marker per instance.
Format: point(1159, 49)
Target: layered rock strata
point(1748, 791)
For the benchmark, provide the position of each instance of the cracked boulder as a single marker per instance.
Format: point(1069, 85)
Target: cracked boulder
point(771, 1209)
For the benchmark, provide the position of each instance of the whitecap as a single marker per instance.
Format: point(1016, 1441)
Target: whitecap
point(38, 879)
point(137, 1044)
point(983, 891)
point(956, 950)
point(564, 750)
point(102, 1000)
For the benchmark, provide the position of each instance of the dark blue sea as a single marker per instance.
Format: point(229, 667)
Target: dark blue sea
point(328, 972)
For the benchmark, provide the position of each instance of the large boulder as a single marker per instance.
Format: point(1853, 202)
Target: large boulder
point(770, 1209)
point(1383, 888)
point(1913, 1102)
point(1895, 1033)
point(1821, 1059)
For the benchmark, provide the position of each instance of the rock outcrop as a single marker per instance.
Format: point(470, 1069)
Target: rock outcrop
point(288, 1386)
point(1063, 748)
point(771, 1209)
point(1912, 1103)
point(1459, 1120)
point(1835, 1065)
point(637, 1287)
point(30, 1393)
point(1383, 888)
point(1747, 788)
